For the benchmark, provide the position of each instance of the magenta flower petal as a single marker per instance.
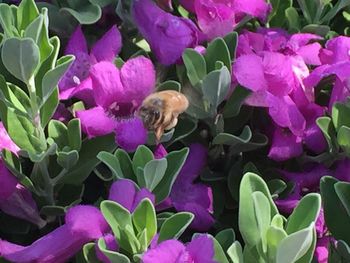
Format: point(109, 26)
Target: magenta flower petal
point(86, 221)
point(201, 249)
point(167, 35)
point(188, 5)
point(321, 251)
point(195, 198)
point(62, 113)
point(196, 160)
point(166, 252)
point(310, 54)
point(159, 152)
point(130, 133)
point(342, 171)
point(337, 50)
point(108, 46)
point(288, 204)
point(84, 92)
point(249, 72)
point(76, 44)
point(17, 201)
point(20, 204)
point(95, 122)
point(308, 180)
point(8, 182)
point(286, 114)
point(285, 145)
point(125, 193)
point(106, 83)
point(313, 136)
point(257, 8)
point(6, 142)
point(138, 77)
point(215, 18)
point(83, 224)
point(142, 194)
point(278, 73)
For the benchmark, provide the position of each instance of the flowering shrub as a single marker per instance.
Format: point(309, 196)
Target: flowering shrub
point(257, 168)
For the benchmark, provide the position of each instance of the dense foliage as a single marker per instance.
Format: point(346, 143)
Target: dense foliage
point(256, 170)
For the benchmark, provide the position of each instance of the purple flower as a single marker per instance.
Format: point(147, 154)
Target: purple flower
point(335, 61)
point(6, 142)
point(188, 196)
point(118, 93)
point(15, 199)
point(76, 82)
point(83, 224)
point(167, 35)
point(216, 18)
point(199, 250)
point(126, 193)
point(272, 65)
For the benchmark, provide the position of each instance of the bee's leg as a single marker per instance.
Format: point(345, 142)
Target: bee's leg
point(159, 132)
point(172, 124)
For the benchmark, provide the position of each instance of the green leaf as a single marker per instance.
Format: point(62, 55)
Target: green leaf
point(49, 108)
point(175, 160)
point(52, 77)
point(336, 216)
point(216, 85)
point(83, 11)
point(195, 65)
point(154, 172)
point(235, 252)
point(262, 212)
point(305, 213)
point(89, 253)
point(219, 252)
point(7, 21)
point(26, 13)
point(328, 130)
point(274, 236)
point(217, 50)
point(74, 134)
point(277, 17)
point(117, 217)
point(292, 18)
point(235, 102)
point(343, 191)
point(141, 157)
point(231, 41)
point(174, 226)
point(58, 132)
point(343, 138)
point(38, 31)
point(87, 158)
point(112, 162)
point(340, 115)
point(247, 221)
point(113, 256)
point(125, 164)
point(144, 217)
point(232, 140)
point(68, 159)
point(21, 57)
point(169, 85)
point(226, 238)
point(294, 246)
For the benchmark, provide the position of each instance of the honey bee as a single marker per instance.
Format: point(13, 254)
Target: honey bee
point(160, 110)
